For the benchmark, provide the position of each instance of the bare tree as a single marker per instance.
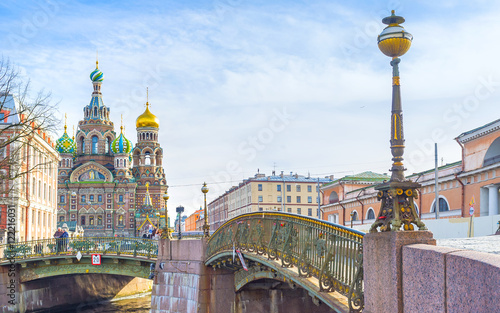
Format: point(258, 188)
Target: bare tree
point(23, 120)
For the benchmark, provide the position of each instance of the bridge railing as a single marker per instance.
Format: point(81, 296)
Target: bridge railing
point(136, 247)
point(331, 253)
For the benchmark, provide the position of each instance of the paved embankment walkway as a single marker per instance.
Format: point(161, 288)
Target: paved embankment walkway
point(490, 244)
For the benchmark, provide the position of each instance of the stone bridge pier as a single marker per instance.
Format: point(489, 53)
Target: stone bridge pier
point(183, 283)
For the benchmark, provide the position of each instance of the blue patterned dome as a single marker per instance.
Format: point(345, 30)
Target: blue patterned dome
point(121, 144)
point(97, 75)
point(65, 144)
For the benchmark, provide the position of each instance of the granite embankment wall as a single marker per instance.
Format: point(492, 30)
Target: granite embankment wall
point(185, 284)
point(71, 291)
point(443, 279)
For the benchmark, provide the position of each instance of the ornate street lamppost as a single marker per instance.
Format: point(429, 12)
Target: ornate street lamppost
point(166, 229)
point(206, 227)
point(397, 208)
point(179, 211)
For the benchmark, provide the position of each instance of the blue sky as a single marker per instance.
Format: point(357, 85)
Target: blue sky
point(242, 85)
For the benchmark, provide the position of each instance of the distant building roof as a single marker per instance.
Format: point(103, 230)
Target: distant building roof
point(479, 131)
point(290, 178)
point(71, 225)
point(367, 176)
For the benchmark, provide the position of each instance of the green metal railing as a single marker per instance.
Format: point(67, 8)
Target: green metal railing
point(329, 252)
point(136, 247)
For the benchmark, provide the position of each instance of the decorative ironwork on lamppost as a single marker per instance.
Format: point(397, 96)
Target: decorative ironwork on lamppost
point(397, 195)
point(166, 229)
point(206, 227)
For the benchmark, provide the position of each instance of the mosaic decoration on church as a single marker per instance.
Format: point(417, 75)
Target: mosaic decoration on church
point(91, 175)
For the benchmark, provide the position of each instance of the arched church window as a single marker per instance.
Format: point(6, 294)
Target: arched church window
point(91, 220)
point(147, 160)
point(106, 148)
point(95, 112)
point(99, 219)
point(121, 163)
point(82, 144)
point(443, 205)
point(94, 144)
point(120, 220)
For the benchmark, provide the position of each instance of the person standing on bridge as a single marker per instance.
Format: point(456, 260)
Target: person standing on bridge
point(64, 240)
point(57, 235)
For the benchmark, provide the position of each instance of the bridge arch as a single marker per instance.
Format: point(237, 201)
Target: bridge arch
point(299, 249)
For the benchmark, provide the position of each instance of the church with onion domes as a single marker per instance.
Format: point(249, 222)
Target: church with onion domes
point(106, 185)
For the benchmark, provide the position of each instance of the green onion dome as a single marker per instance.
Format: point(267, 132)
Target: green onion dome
point(65, 144)
point(121, 144)
point(96, 75)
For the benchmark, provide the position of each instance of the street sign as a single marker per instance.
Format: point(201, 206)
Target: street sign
point(471, 211)
point(96, 259)
point(78, 256)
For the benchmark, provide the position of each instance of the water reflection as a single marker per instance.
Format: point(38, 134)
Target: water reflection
point(137, 304)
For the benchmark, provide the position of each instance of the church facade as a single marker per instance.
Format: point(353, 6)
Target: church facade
point(107, 185)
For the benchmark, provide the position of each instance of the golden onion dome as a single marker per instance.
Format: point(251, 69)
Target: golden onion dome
point(147, 119)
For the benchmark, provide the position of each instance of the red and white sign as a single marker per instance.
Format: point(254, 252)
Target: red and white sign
point(242, 260)
point(96, 259)
point(471, 210)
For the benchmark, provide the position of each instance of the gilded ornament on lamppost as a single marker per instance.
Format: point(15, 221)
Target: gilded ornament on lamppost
point(206, 227)
point(397, 195)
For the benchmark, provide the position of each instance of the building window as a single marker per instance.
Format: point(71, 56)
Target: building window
point(309, 199)
point(334, 218)
point(99, 219)
point(120, 198)
point(318, 212)
point(288, 199)
point(297, 187)
point(334, 197)
point(299, 211)
point(288, 187)
point(298, 199)
point(279, 199)
point(120, 220)
point(354, 216)
point(147, 160)
point(91, 220)
point(278, 187)
point(259, 187)
point(99, 198)
point(309, 188)
point(309, 212)
point(260, 199)
point(82, 198)
point(289, 210)
point(94, 144)
point(106, 147)
point(61, 199)
point(91, 198)
point(61, 218)
point(443, 205)
point(370, 215)
point(82, 220)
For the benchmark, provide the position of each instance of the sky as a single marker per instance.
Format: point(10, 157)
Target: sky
point(243, 86)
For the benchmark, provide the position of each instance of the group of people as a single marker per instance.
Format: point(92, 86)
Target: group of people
point(152, 233)
point(62, 235)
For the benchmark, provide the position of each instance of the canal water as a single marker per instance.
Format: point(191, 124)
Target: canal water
point(132, 304)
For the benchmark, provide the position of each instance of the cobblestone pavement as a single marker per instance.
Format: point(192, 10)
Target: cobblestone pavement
point(490, 244)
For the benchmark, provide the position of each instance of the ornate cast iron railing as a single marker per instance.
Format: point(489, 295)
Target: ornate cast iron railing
point(136, 247)
point(329, 252)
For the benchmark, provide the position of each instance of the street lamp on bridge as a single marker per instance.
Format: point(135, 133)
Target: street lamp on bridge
point(206, 227)
point(397, 208)
point(166, 229)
